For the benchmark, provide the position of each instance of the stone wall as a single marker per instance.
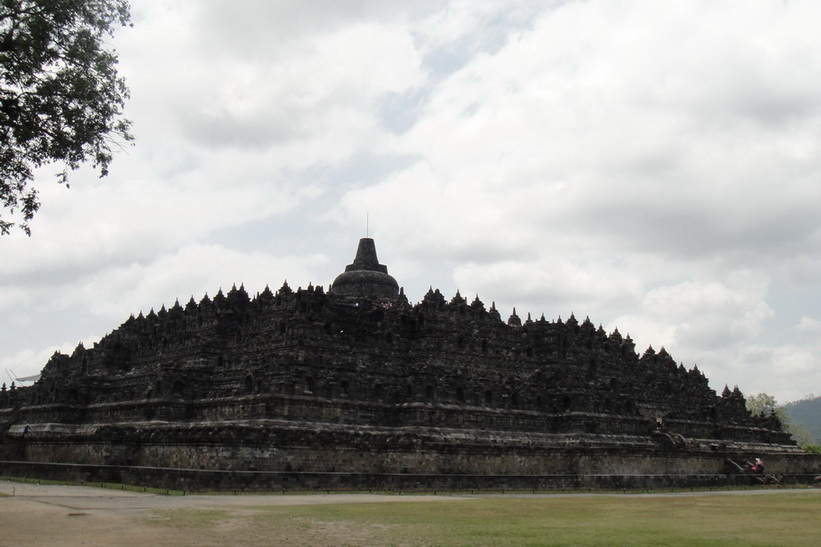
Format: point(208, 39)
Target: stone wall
point(270, 456)
point(310, 388)
point(197, 480)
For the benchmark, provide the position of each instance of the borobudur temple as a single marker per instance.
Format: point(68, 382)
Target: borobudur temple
point(355, 388)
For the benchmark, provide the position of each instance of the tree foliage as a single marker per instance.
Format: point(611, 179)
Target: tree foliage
point(807, 411)
point(61, 97)
point(763, 404)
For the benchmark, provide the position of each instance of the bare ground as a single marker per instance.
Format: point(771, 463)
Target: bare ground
point(33, 514)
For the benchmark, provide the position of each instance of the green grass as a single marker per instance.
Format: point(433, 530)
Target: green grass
point(702, 520)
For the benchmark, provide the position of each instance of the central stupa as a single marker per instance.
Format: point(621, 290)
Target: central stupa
point(366, 277)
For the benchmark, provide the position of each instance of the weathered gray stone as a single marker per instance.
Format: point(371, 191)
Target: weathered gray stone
point(356, 386)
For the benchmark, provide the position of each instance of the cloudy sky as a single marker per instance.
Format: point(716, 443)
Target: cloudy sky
point(652, 165)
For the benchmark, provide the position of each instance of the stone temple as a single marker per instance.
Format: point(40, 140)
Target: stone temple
point(356, 388)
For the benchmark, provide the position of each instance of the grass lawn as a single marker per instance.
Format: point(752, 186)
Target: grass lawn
point(789, 518)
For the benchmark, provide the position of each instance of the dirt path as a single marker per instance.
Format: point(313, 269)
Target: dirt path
point(33, 514)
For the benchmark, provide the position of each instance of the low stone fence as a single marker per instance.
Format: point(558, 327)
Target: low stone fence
point(201, 480)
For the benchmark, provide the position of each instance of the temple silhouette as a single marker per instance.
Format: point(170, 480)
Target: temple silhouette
point(356, 388)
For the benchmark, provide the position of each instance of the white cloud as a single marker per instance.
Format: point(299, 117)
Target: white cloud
point(23, 363)
point(808, 324)
point(652, 165)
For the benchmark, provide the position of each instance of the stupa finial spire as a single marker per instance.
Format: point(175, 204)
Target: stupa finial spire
point(366, 276)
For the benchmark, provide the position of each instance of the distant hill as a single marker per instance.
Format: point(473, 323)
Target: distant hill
point(807, 412)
